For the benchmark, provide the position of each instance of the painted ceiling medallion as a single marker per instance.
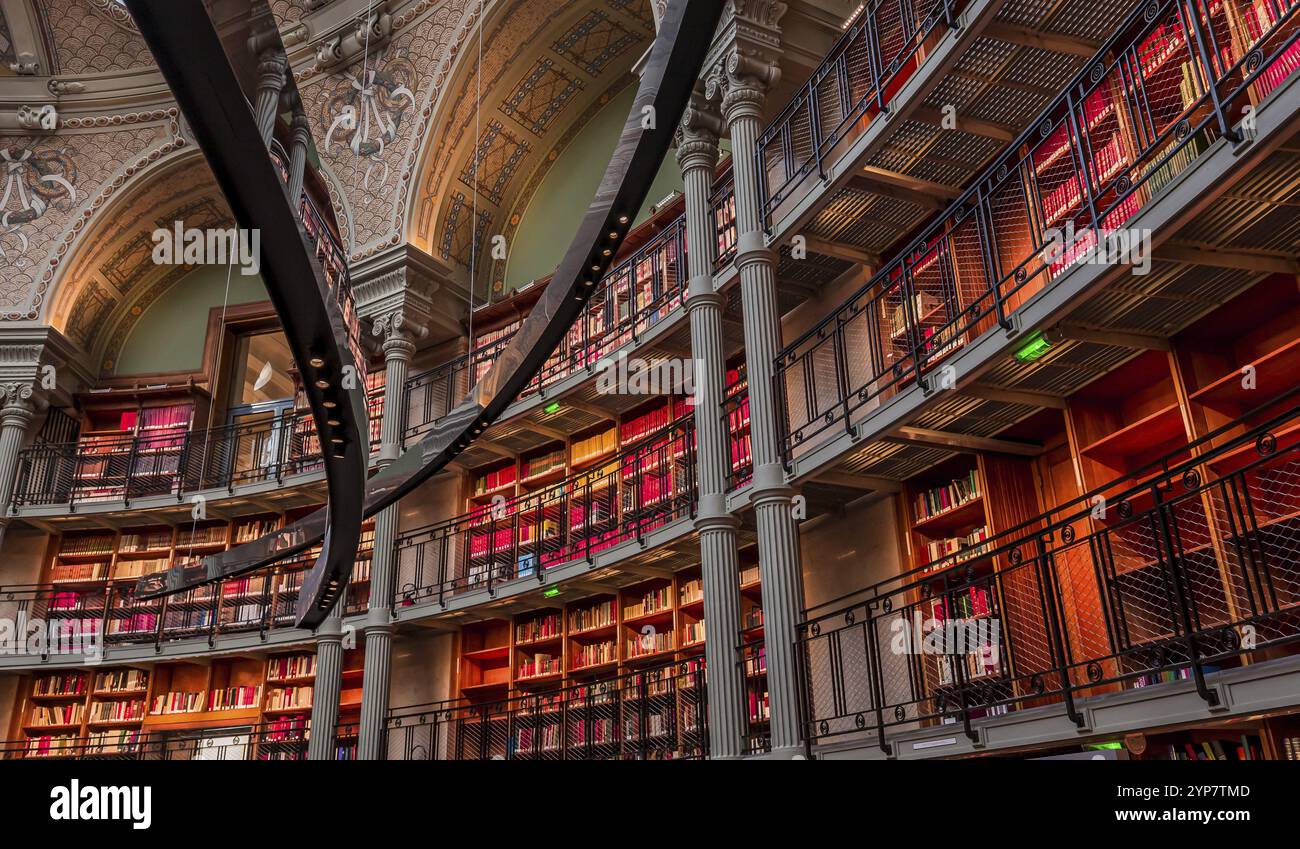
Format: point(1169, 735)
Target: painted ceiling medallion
point(367, 108)
point(33, 180)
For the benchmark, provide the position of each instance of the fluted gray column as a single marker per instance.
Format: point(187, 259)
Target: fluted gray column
point(398, 347)
point(16, 414)
point(328, 686)
point(301, 130)
point(745, 83)
point(697, 154)
point(271, 72)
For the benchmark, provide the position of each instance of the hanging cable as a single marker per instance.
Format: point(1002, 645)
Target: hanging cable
point(478, 149)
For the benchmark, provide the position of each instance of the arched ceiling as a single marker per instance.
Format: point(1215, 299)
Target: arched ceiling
point(547, 69)
point(112, 279)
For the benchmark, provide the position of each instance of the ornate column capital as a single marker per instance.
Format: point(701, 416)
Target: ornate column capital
point(17, 403)
point(271, 70)
point(300, 131)
point(697, 135)
point(745, 61)
point(398, 334)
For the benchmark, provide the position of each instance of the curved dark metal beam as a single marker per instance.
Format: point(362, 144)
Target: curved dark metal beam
point(685, 34)
point(197, 64)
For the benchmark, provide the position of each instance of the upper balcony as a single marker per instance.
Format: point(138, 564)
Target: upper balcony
point(1138, 141)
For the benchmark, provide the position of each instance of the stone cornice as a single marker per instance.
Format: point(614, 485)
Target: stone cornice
point(405, 279)
point(27, 348)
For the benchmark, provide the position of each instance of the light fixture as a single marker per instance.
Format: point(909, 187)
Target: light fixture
point(316, 362)
point(606, 252)
point(551, 408)
point(550, 592)
point(333, 422)
point(322, 384)
point(337, 440)
point(329, 405)
point(613, 234)
point(1036, 347)
point(622, 219)
point(595, 266)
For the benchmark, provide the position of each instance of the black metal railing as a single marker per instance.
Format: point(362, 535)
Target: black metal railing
point(656, 713)
point(633, 297)
point(176, 463)
point(1172, 572)
point(1173, 78)
point(854, 84)
point(81, 619)
point(281, 740)
point(647, 485)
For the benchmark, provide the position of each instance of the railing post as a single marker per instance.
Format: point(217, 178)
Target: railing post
point(1044, 568)
point(1184, 613)
point(876, 672)
point(1192, 10)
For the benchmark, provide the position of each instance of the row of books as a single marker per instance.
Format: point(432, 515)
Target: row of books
point(597, 616)
point(543, 463)
point(691, 591)
point(752, 618)
point(594, 446)
point(644, 644)
point(647, 423)
point(494, 480)
point(117, 711)
point(281, 698)
point(177, 702)
point(122, 680)
point(96, 544)
point(249, 531)
point(963, 547)
point(652, 601)
point(78, 572)
point(49, 746)
point(70, 714)
point(594, 654)
point(941, 499)
point(1216, 750)
point(234, 698)
point(539, 664)
point(60, 684)
point(982, 662)
point(968, 604)
point(137, 568)
point(539, 628)
point(693, 633)
point(115, 741)
point(145, 541)
point(291, 666)
point(211, 535)
point(922, 305)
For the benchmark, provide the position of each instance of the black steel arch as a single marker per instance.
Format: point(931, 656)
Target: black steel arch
point(184, 49)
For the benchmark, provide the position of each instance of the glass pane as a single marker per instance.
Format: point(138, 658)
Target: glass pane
point(262, 368)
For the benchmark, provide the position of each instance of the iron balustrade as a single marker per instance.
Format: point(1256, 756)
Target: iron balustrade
point(1178, 569)
point(631, 298)
point(647, 485)
point(1130, 121)
point(854, 84)
point(80, 619)
point(282, 740)
point(175, 463)
point(659, 712)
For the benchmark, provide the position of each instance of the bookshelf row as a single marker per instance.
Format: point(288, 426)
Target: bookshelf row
point(596, 637)
point(107, 711)
point(1231, 369)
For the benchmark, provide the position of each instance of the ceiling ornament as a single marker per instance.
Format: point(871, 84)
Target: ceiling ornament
point(365, 116)
point(33, 180)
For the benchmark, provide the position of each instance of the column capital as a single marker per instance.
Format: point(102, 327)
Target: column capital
point(271, 69)
point(17, 403)
point(698, 133)
point(300, 130)
point(398, 334)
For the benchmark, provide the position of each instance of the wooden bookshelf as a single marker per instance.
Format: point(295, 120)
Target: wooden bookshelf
point(107, 710)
